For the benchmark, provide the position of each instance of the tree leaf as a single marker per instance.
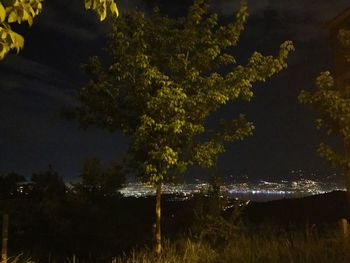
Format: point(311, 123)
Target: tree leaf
point(103, 14)
point(2, 13)
point(12, 17)
point(88, 4)
point(114, 9)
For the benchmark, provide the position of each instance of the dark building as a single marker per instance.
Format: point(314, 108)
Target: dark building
point(341, 68)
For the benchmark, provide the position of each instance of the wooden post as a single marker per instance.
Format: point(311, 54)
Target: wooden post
point(343, 224)
point(158, 237)
point(5, 231)
point(343, 221)
point(347, 171)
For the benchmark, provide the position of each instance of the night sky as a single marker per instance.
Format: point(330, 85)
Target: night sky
point(36, 84)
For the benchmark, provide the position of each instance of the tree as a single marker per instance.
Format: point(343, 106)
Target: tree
point(8, 184)
point(18, 11)
point(332, 106)
point(164, 82)
point(114, 177)
point(96, 179)
point(91, 174)
point(48, 185)
point(344, 39)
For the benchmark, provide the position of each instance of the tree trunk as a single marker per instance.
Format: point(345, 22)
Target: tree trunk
point(5, 229)
point(347, 172)
point(157, 233)
point(344, 228)
point(347, 181)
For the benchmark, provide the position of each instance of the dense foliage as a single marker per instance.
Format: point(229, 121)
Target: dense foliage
point(331, 103)
point(344, 39)
point(333, 108)
point(164, 81)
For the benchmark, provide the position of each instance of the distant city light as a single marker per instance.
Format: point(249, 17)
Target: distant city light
point(289, 188)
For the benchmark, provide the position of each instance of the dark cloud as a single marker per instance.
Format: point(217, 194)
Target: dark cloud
point(302, 19)
point(31, 69)
point(72, 20)
point(69, 18)
point(315, 9)
point(25, 77)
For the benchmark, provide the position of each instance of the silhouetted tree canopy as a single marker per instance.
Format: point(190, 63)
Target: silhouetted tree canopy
point(8, 184)
point(97, 179)
point(48, 184)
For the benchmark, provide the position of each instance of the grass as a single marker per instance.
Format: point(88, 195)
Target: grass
point(219, 241)
point(254, 248)
point(274, 247)
point(18, 259)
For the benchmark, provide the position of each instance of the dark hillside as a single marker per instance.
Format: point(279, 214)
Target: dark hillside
point(316, 209)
